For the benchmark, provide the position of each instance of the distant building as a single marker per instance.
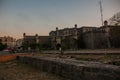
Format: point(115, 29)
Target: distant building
point(9, 41)
point(35, 39)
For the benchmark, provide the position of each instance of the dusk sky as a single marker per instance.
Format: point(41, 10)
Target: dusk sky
point(42, 16)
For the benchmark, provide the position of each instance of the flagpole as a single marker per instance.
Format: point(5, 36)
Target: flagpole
point(101, 11)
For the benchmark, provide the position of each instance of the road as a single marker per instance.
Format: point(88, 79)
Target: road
point(4, 52)
point(97, 51)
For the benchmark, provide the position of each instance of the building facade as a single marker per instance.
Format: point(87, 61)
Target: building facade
point(85, 37)
point(107, 36)
point(68, 36)
point(35, 40)
point(9, 41)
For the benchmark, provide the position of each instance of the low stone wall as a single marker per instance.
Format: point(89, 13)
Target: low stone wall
point(73, 69)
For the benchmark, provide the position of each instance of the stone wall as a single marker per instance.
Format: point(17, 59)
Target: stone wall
point(114, 36)
point(73, 69)
point(95, 40)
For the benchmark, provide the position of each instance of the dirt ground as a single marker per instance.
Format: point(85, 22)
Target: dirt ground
point(15, 70)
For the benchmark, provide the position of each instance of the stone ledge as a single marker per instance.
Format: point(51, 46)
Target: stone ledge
point(74, 69)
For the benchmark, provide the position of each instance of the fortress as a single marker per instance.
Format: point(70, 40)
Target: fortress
point(107, 36)
point(85, 37)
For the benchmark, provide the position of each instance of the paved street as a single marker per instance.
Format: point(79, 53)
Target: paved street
point(87, 51)
point(4, 52)
point(97, 51)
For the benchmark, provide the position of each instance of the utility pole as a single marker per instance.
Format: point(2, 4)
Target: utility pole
point(101, 12)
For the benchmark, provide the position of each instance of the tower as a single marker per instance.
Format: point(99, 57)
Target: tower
point(105, 23)
point(57, 33)
point(24, 34)
point(75, 25)
point(37, 38)
point(75, 33)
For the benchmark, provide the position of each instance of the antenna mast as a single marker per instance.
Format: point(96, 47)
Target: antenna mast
point(101, 11)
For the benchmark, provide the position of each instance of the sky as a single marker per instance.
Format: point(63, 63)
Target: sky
point(42, 16)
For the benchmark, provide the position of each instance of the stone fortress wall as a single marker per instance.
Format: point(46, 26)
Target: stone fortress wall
point(73, 69)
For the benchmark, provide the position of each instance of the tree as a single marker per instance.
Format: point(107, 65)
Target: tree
point(69, 43)
point(2, 46)
point(66, 43)
point(115, 20)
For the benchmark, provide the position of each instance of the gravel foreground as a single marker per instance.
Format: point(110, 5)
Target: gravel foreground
point(15, 70)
